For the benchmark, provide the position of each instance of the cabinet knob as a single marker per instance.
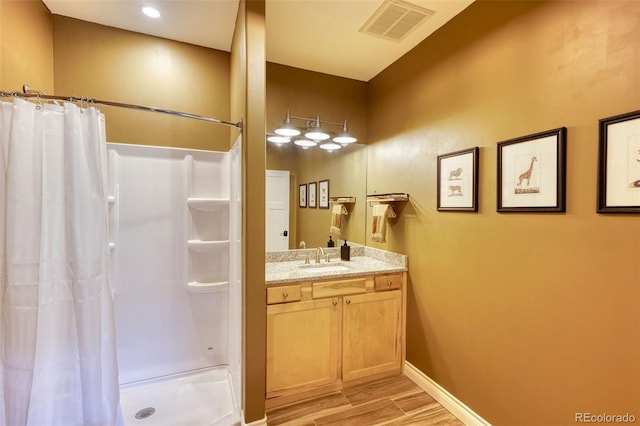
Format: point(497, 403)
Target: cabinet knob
point(389, 283)
point(335, 302)
point(348, 301)
point(285, 295)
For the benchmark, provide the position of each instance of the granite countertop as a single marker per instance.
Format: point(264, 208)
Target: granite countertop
point(283, 267)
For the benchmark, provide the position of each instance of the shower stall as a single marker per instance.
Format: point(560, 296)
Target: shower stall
point(175, 250)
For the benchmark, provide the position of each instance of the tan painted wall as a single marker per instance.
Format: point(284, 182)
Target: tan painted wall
point(26, 46)
point(122, 66)
point(307, 94)
point(526, 318)
point(248, 100)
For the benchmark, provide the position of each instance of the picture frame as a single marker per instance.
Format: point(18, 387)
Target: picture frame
point(532, 172)
point(457, 180)
point(302, 195)
point(323, 194)
point(312, 195)
point(619, 164)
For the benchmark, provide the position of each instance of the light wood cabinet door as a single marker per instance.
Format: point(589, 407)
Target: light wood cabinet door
point(302, 345)
point(371, 334)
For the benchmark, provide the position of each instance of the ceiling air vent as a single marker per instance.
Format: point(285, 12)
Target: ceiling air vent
point(395, 19)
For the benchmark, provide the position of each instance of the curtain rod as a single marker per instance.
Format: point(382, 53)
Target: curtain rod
point(30, 93)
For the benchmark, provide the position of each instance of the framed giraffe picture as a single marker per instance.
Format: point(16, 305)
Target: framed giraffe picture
point(619, 164)
point(458, 180)
point(531, 172)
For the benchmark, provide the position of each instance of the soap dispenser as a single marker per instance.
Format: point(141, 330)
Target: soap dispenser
point(331, 243)
point(345, 251)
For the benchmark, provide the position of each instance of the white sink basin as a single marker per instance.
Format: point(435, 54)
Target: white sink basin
point(324, 267)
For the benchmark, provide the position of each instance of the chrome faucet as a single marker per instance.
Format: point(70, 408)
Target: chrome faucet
point(302, 244)
point(319, 252)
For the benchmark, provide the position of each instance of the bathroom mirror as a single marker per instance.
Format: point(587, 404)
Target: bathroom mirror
point(345, 170)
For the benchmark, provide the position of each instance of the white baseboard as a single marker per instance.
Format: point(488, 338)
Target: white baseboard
point(465, 414)
point(261, 422)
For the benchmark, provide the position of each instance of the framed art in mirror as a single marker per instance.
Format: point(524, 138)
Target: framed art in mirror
point(619, 164)
point(312, 195)
point(458, 180)
point(302, 195)
point(323, 189)
point(531, 172)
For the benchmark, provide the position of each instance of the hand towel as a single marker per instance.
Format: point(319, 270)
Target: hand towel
point(379, 225)
point(336, 218)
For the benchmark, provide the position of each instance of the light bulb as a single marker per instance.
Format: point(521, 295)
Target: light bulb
point(151, 12)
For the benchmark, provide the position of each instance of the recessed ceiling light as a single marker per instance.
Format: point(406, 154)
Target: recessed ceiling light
point(151, 12)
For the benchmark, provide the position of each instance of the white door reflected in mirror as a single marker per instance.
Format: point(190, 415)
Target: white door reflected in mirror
point(277, 210)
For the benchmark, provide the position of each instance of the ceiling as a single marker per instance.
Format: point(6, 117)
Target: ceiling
point(316, 35)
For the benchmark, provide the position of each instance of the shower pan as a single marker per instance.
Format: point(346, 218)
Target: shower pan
point(175, 273)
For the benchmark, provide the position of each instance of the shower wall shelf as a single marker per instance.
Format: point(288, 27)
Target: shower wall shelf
point(203, 287)
point(207, 204)
point(391, 197)
point(207, 242)
point(207, 245)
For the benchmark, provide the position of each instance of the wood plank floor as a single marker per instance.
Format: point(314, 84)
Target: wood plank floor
point(390, 401)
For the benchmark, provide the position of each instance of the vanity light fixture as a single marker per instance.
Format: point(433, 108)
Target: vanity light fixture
point(330, 146)
point(305, 143)
point(151, 12)
point(278, 140)
point(344, 137)
point(287, 129)
point(314, 134)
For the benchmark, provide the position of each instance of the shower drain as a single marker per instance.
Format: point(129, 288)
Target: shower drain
point(145, 412)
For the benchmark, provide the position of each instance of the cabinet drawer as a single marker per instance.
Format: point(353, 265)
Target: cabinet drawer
point(283, 294)
point(388, 282)
point(339, 288)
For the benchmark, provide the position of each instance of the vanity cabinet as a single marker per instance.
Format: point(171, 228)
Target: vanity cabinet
point(371, 332)
point(324, 334)
point(302, 345)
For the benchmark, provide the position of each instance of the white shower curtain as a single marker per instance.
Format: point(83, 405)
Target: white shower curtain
point(57, 342)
